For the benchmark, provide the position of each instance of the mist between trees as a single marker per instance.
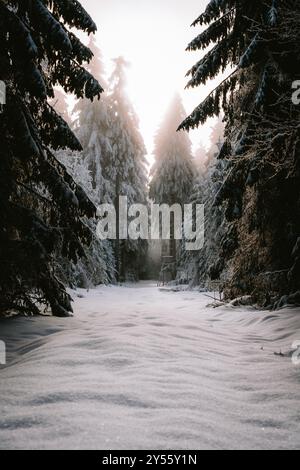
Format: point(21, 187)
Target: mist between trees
point(58, 165)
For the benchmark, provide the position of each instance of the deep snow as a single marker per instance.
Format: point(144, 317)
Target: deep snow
point(140, 368)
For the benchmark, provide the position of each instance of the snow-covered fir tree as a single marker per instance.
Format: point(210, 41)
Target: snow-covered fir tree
point(97, 265)
point(173, 172)
point(93, 128)
point(41, 206)
point(201, 159)
point(216, 139)
point(127, 168)
point(198, 267)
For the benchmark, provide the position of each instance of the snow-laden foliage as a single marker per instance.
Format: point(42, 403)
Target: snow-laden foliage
point(126, 169)
point(201, 266)
point(41, 206)
point(240, 33)
point(259, 42)
point(111, 164)
point(93, 127)
point(173, 171)
point(97, 266)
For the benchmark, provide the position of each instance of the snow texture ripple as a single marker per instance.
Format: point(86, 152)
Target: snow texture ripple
point(143, 368)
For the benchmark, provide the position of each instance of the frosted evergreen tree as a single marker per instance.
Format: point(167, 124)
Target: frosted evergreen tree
point(97, 266)
point(93, 129)
point(173, 171)
point(92, 126)
point(127, 167)
point(260, 42)
point(217, 138)
point(41, 206)
point(201, 159)
point(201, 266)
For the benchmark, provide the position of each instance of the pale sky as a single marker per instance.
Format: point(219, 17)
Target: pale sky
point(152, 35)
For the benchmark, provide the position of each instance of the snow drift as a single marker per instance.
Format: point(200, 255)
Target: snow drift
point(141, 368)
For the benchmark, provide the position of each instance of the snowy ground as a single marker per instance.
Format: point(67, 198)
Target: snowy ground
point(141, 368)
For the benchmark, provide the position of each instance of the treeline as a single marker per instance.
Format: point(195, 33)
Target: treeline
point(51, 177)
point(43, 211)
point(56, 167)
point(111, 164)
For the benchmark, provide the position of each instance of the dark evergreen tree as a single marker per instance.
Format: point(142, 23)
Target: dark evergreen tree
point(41, 207)
point(260, 40)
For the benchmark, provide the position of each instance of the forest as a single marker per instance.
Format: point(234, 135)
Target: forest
point(57, 167)
point(72, 140)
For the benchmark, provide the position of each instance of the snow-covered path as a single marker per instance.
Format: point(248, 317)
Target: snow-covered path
point(138, 367)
